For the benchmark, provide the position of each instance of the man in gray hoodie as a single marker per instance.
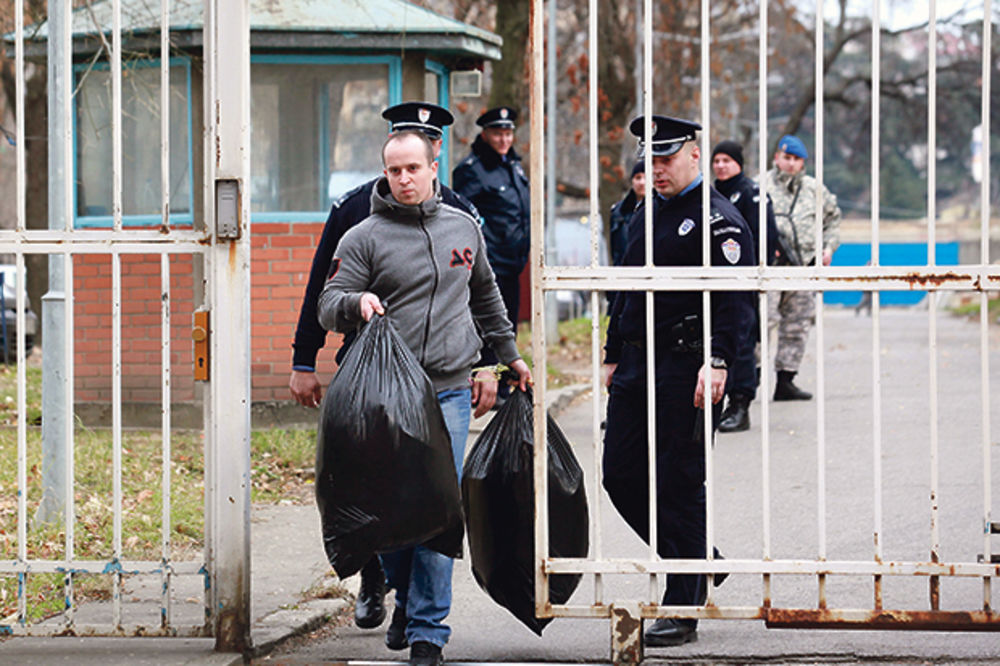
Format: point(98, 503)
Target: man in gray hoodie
point(423, 264)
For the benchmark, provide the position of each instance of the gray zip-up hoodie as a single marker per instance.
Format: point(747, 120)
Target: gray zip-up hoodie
point(427, 264)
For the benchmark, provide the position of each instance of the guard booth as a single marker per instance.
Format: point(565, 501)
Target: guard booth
point(858, 517)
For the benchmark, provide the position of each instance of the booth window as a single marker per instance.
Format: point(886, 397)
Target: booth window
point(142, 198)
point(317, 130)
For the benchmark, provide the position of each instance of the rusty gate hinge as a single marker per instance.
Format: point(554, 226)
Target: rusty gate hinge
point(200, 334)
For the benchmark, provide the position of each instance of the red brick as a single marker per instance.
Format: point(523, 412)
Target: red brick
point(291, 294)
point(269, 305)
point(262, 228)
point(269, 278)
point(290, 317)
point(289, 267)
point(297, 240)
point(311, 228)
point(269, 254)
point(305, 254)
point(100, 282)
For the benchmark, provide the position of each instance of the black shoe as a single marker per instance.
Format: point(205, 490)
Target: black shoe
point(667, 632)
point(719, 579)
point(395, 635)
point(736, 416)
point(369, 607)
point(787, 390)
point(423, 653)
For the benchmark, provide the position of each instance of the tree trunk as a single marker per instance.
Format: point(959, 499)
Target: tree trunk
point(510, 75)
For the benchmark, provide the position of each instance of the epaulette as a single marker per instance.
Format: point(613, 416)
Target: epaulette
point(715, 216)
point(347, 195)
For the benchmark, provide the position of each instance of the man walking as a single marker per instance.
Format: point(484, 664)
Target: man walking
point(684, 384)
point(310, 337)
point(744, 194)
point(422, 263)
point(793, 312)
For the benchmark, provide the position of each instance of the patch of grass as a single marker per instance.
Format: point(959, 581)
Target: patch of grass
point(569, 357)
point(8, 394)
point(282, 463)
point(971, 307)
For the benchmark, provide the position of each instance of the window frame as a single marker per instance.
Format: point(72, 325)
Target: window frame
point(141, 220)
point(443, 78)
point(395, 82)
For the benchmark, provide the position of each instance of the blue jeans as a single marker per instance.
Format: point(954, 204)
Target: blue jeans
point(422, 577)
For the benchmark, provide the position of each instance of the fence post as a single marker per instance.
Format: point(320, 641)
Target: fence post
point(626, 633)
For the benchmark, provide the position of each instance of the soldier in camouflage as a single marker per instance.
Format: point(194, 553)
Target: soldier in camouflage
point(793, 194)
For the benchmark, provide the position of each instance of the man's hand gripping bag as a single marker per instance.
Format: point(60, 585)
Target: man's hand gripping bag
point(385, 474)
point(498, 496)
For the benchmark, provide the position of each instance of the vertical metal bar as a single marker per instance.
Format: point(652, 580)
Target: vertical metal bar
point(876, 129)
point(821, 442)
point(595, 296)
point(166, 610)
point(22, 436)
point(166, 616)
point(932, 134)
point(228, 88)
point(765, 347)
point(984, 259)
point(818, 105)
point(116, 428)
point(706, 296)
point(70, 504)
point(116, 114)
point(647, 132)
point(935, 581)
point(877, 437)
point(538, 337)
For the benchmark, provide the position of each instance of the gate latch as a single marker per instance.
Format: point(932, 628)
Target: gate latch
point(200, 336)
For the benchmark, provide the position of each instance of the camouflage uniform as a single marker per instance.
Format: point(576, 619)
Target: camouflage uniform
point(793, 312)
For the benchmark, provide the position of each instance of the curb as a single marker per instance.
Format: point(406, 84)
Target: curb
point(275, 628)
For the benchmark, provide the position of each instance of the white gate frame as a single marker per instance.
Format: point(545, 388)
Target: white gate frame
point(224, 246)
point(626, 614)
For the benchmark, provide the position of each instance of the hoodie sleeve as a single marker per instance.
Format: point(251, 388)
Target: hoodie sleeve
point(350, 276)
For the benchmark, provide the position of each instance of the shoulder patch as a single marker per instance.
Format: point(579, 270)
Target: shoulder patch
point(731, 250)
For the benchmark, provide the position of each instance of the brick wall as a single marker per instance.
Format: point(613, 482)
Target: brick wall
point(281, 255)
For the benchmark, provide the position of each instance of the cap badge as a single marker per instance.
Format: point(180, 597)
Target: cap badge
point(653, 127)
point(731, 251)
point(424, 115)
point(686, 226)
point(503, 113)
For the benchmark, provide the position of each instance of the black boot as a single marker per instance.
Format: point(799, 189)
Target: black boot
point(369, 608)
point(736, 416)
point(787, 390)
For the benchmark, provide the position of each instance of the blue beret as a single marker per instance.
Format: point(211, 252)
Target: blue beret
point(793, 145)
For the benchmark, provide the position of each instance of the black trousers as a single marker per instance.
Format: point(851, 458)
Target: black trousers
point(680, 464)
point(510, 292)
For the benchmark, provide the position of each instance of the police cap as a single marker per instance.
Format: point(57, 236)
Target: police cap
point(428, 118)
point(502, 117)
point(669, 134)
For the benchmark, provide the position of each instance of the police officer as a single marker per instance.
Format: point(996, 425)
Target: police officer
point(492, 178)
point(622, 211)
point(793, 312)
point(349, 210)
point(742, 192)
point(684, 386)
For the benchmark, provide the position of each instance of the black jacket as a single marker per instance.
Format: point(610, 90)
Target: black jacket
point(677, 239)
point(744, 193)
point(353, 207)
point(621, 213)
point(499, 189)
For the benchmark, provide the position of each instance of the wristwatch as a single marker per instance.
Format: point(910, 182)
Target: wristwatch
point(719, 363)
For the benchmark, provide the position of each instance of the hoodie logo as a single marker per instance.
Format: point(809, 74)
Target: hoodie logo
point(334, 267)
point(424, 115)
point(463, 258)
point(686, 226)
point(731, 251)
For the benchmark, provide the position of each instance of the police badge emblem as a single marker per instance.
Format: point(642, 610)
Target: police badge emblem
point(686, 226)
point(731, 251)
point(424, 115)
point(735, 197)
point(503, 113)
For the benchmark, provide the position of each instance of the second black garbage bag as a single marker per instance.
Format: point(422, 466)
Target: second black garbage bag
point(385, 474)
point(498, 496)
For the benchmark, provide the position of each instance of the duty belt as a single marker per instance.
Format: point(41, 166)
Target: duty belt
point(685, 336)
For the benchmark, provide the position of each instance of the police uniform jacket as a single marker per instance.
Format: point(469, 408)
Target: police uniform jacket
point(794, 198)
point(677, 239)
point(353, 207)
point(621, 213)
point(744, 194)
point(499, 189)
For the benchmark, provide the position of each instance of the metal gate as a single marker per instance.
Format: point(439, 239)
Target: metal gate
point(211, 251)
point(814, 575)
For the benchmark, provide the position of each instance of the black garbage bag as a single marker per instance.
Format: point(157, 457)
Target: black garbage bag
point(385, 474)
point(498, 496)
